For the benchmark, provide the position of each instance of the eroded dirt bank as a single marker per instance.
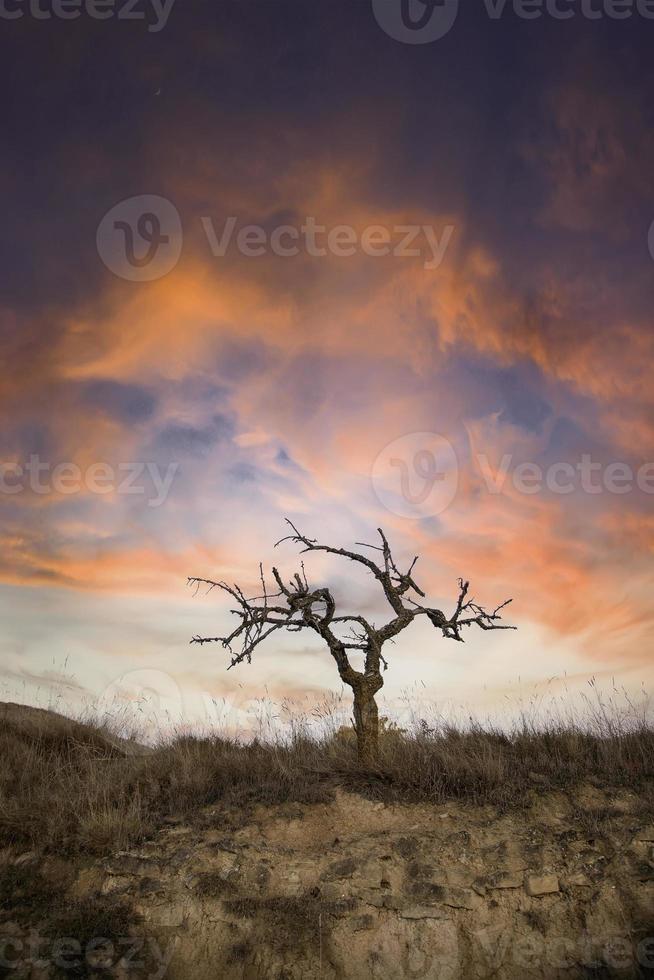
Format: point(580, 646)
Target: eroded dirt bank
point(356, 889)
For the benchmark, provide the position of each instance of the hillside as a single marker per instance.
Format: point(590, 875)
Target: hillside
point(262, 862)
point(35, 724)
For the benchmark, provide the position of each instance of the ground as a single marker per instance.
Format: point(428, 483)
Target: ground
point(344, 881)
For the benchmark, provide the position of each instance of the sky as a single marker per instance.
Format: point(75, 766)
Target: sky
point(270, 258)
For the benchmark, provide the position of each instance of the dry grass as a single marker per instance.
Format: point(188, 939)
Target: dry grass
point(291, 921)
point(71, 788)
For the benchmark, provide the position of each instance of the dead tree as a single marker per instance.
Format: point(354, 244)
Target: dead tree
point(296, 606)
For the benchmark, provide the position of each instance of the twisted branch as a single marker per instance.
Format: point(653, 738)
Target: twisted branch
point(304, 608)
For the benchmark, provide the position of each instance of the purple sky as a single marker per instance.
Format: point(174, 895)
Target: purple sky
point(167, 401)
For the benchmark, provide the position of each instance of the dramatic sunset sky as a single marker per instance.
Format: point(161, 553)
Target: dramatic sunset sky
point(272, 384)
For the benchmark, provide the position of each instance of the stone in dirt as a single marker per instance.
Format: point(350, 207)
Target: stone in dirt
point(382, 900)
point(116, 883)
point(340, 869)
point(423, 912)
point(315, 913)
point(538, 885)
point(458, 898)
point(505, 879)
point(579, 880)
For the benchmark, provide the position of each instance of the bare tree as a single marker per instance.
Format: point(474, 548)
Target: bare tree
point(296, 606)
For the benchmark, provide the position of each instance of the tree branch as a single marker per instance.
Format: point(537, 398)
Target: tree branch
point(304, 608)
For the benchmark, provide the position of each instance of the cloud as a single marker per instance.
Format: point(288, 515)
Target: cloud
point(275, 382)
point(126, 403)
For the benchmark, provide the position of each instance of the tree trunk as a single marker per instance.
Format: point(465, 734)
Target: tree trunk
point(366, 724)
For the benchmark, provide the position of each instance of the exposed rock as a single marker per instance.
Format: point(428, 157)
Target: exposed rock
point(164, 916)
point(406, 847)
point(402, 896)
point(578, 880)
point(458, 898)
point(537, 885)
point(332, 891)
point(423, 912)
point(340, 869)
point(363, 922)
point(393, 902)
point(382, 900)
point(507, 855)
point(505, 879)
point(115, 883)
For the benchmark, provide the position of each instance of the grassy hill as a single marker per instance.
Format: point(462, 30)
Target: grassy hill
point(277, 859)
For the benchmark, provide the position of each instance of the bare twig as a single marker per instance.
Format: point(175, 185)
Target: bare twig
point(301, 607)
